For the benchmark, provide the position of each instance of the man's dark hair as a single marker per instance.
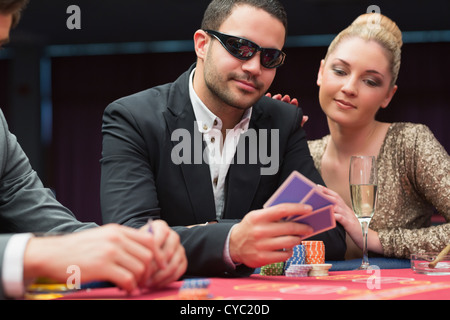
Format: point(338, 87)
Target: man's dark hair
point(13, 7)
point(219, 10)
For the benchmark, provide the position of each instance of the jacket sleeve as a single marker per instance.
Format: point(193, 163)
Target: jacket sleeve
point(127, 191)
point(426, 185)
point(3, 241)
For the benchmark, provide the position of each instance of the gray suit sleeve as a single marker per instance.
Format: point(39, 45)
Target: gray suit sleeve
point(25, 205)
point(3, 241)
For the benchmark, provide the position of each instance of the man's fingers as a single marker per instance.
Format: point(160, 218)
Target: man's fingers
point(175, 269)
point(283, 210)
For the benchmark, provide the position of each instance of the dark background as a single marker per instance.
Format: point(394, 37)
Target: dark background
point(48, 65)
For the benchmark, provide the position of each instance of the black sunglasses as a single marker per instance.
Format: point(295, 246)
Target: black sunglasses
point(244, 49)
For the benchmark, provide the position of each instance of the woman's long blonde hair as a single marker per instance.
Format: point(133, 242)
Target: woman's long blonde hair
point(379, 28)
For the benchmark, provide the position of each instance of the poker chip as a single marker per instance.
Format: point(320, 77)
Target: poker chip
point(298, 256)
point(319, 270)
point(42, 296)
point(196, 283)
point(194, 289)
point(273, 269)
point(194, 294)
point(45, 289)
point(315, 252)
point(298, 270)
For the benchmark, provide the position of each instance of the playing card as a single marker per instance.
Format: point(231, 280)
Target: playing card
point(316, 199)
point(299, 189)
point(293, 190)
point(320, 220)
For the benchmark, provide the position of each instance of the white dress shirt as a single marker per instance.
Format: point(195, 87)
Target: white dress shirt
point(219, 153)
point(12, 274)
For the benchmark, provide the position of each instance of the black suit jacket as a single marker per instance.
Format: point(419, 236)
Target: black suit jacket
point(144, 137)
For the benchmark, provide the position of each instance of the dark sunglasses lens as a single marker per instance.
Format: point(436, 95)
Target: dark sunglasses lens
point(271, 58)
point(240, 48)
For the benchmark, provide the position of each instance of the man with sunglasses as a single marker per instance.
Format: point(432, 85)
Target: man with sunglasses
point(215, 201)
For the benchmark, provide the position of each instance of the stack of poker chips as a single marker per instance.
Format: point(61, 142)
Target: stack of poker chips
point(315, 252)
point(308, 259)
point(297, 270)
point(194, 289)
point(319, 270)
point(295, 266)
point(273, 269)
point(298, 256)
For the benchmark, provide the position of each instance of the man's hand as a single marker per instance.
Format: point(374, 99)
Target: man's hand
point(170, 261)
point(262, 237)
point(114, 253)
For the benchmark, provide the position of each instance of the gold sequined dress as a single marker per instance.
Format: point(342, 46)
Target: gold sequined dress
point(413, 180)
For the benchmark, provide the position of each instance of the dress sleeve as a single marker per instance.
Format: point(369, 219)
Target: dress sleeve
point(428, 170)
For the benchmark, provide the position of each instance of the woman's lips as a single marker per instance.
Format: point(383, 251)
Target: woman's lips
point(345, 104)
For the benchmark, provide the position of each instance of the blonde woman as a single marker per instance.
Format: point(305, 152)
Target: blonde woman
point(357, 78)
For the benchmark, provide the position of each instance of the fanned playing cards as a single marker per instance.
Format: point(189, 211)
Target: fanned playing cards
point(299, 189)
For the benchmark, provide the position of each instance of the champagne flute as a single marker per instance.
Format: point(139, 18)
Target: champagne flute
point(363, 191)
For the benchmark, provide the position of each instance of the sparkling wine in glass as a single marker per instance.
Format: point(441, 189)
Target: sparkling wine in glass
point(363, 192)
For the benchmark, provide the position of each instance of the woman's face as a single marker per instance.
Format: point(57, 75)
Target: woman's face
point(355, 82)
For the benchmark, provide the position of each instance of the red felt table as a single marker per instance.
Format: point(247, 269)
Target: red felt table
point(384, 284)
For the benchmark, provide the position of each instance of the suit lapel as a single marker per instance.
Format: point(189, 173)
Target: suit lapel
point(180, 115)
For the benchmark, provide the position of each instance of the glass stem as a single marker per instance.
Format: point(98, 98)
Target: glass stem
point(365, 230)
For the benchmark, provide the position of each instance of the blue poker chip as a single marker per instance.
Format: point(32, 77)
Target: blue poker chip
point(195, 283)
point(298, 256)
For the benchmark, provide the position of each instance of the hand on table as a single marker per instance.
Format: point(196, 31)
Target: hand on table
point(170, 261)
point(114, 253)
point(262, 237)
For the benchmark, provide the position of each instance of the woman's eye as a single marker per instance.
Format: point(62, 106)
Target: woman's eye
point(372, 83)
point(339, 72)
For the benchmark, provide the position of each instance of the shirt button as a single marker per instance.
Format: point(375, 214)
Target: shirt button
point(215, 122)
point(205, 127)
point(213, 139)
point(216, 179)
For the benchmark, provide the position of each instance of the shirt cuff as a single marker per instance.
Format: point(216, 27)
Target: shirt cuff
point(226, 252)
point(12, 275)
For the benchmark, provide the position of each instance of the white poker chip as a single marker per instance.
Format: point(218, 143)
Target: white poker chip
point(319, 270)
point(298, 270)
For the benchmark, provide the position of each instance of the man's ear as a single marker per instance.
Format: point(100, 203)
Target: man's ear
point(201, 42)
